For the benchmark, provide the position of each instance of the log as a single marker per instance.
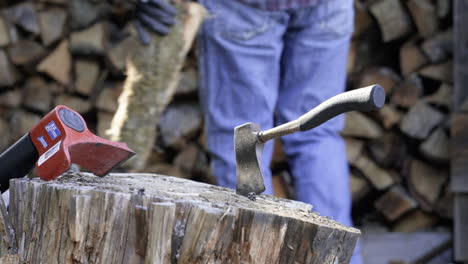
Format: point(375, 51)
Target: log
point(384, 76)
point(58, 64)
point(119, 54)
point(420, 120)
point(188, 82)
point(136, 218)
point(390, 116)
point(152, 78)
point(8, 73)
point(439, 47)
point(5, 140)
point(187, 158)
point(22, 122)
point(388, 151)
point(76, 103)
point(53, 24)
point(89, 41)
point(394, 203)
point(25, 16)
point(379, 178)
point(37, 95)
point(11, 98)
point(359, 187)
point(108, 97)
point(83, 12)
point(424, 16)
point(86, 76)
point(4, 32)
point(442, 97)
point(412, 58)
point(26, 52)
point(443, 8)
point(358, 125)
point(279, 188)
point(440, 72)
point(436, 147)
point(392, 18)
point(180, 122)
point(426, 183)
point(415, 221)
point(362, 18)
point(407, 93)
point(103, 123)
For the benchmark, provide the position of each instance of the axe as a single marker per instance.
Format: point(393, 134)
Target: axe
point(249, 140)
point(58, 140)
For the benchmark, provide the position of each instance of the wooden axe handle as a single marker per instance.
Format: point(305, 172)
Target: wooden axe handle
point(363, 99)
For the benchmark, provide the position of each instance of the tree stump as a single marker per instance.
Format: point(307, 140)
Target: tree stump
point(146, 218)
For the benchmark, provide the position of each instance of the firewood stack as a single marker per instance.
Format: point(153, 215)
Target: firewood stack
point(73, 52)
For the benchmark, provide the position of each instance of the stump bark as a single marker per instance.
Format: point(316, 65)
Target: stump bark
point(147, 218)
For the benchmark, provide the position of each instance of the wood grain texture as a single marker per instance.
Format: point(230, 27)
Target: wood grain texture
point(152, 78)
point(146, 218)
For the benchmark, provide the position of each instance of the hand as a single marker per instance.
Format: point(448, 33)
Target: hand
point(155, 15)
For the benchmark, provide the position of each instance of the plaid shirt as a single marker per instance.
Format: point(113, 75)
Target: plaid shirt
point(274, 5)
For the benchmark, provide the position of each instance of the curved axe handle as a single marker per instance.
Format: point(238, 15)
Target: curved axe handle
point(363, 99)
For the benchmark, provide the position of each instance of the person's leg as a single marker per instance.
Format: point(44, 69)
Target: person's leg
point(239, 49)
point(313, 70)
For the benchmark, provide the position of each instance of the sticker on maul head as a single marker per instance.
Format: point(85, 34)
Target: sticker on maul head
point(43, 141)
point(53, 130)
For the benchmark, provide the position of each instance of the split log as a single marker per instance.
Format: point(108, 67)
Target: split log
point(358, 125)
point(362, 18)
point(392, 18)
point(442, 97)
point(108, 97)
point(440, 72)
point(354, 149)
point(120, 53)
point(359, 187)
point(152, 78)
point(424, 16)
point(390, 116)
point(279, 188)
point(379, 178)
point(178, 123)
point(8, 73)
point(394, 203)
point(25, 16)
point(415, 221)
point(52, 23)
point(37, 95)
point(439, 47)
point(188, 82)
point(388, 151)
point(136, 218)
point(425, 183)
point(103, 123)
point(25, 52)
point(11, 99)
point(83, 12)
point(420, 120)
point(187, 158)
point(86, 76)
point(4, 32)
point(412, 58)
point(384, 76)
point(22, 122)
point(76, 103)
point(89, 41)
point(5, 139)
point(436, 147)
point(443, 8)
point(408, 92)
point(58, 64)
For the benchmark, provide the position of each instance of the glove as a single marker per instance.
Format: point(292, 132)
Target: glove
point(155, 15)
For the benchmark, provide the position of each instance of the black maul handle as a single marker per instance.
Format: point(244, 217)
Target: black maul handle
point(17, 161)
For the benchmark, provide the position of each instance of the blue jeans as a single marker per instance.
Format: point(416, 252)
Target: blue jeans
point(270, 67)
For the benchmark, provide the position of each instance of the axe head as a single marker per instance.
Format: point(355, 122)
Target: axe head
point(62, 138)
point(248, 160)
